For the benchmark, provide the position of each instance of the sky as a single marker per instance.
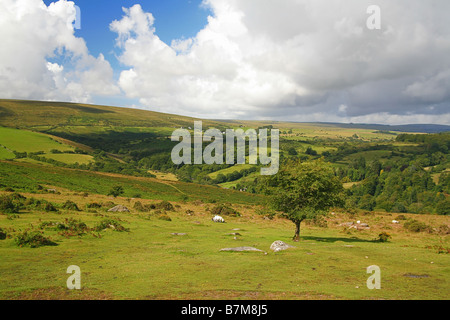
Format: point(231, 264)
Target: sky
point(291, 60)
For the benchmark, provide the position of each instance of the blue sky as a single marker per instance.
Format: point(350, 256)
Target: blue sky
point(174, 19)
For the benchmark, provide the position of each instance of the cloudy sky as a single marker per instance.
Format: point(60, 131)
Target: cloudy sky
point(297, 60)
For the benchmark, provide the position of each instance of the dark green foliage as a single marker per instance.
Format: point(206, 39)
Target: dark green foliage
point(11, 203)
point(304, 190)
point(3, 234)
point(93, 205)
point(32, 239)
point(443, 207)
point(70, 205)
point(116, 191)
point(383, 237)
point(416, 226)
point(165, 205)
point(224, 210)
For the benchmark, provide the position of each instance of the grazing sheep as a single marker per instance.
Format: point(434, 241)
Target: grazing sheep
point(218, 219)
point(395, 221)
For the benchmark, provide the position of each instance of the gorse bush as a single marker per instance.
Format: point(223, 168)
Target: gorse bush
point(165, 205)
point(416, 226)
point(93, 205)
point(37, 204)
point(3, 234)
point(225, 210)
point(108, 223)
point(383, 237)
point(11, 203)
point(32, 239)
point(70, 205)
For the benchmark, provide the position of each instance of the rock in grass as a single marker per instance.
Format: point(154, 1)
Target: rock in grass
point(242, 249)
point(119, 208)
point(279, 246)
point(179, 234)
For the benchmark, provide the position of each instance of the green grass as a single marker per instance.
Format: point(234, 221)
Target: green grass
point(26, 177)
point(237, 167)
point(6, 154)
point(150, 263)
point(28, 141)
point(70, 158)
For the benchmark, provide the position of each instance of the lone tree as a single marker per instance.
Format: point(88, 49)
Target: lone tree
point(303, 191)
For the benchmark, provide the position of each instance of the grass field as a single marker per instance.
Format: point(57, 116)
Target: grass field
point(6, 154)
point(70, 158)
point(28, 141)
point(26, 177)
point(148, 262)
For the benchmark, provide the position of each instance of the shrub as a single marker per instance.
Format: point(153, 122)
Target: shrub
point(116, 191)
point(70, 205)
point(9, 205)
point(108, 204)
point(165, 205)
point(383, 237)
point(108, 223)
point(398, 207)
point(415, 226)
point(33, 239)
point(443, 229)
point(40, 205)
point(48, 207)
point(164, 216)
point(2, 234)
point(93, 205)
point(222, 209)
point(139, 207)
point(401, 217)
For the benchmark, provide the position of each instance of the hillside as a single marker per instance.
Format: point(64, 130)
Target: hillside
point(63, 167)
point(370, 159)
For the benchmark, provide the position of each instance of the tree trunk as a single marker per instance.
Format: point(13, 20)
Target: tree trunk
point(297, 230)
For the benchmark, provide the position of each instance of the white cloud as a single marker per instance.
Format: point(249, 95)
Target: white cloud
point(33, 36)
point(293, 58)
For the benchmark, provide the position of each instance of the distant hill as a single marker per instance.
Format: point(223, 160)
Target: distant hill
point(419, 128)
point(38, 114)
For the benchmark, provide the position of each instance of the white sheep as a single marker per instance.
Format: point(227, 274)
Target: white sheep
point(395, 221)
point(218, 219)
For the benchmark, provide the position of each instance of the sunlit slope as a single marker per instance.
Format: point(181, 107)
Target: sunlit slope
point(27, 114)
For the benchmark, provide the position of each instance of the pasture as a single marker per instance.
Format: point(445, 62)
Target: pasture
point(28, 141)
point(181, 258)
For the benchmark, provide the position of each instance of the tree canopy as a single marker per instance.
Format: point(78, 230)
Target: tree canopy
point(303, 190)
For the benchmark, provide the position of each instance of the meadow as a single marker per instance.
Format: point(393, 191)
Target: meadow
point(151, 262)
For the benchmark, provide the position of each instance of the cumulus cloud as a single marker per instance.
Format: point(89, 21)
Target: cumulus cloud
point(294, 59)
point(34, 37)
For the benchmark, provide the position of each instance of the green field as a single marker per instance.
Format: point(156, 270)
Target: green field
point(148, 262)
point(26, 177)
point(27, 141)
point(70, 158)
point(6, 154)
